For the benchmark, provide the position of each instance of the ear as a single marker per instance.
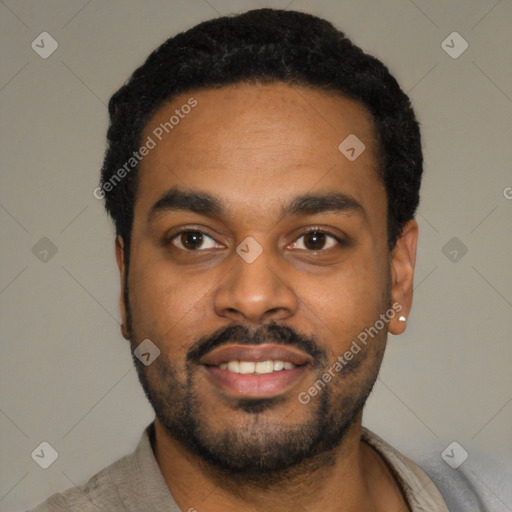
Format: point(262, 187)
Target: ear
point(403, 260)
point(121, 265)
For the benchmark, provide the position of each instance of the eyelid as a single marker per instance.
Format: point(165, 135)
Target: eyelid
point(340, 241)
point(170, 237)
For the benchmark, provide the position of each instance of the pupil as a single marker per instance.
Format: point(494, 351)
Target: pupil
point(191, 239)
point(314, 238)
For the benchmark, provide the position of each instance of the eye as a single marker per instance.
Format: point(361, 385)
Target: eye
point(316, 240)
point(192, 240)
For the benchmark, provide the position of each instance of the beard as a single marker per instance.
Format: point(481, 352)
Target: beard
point(259, 450)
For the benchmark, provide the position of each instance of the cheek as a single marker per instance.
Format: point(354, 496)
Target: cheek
point(163, 300)
point(341, 305)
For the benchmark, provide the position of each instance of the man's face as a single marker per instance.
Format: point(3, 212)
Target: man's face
point(313, 274)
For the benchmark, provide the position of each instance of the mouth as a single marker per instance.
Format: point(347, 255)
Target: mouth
point(256, 371)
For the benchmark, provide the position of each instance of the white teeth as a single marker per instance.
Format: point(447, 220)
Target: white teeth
point(247, 367)
point(278, 365)
point(264, 367)
point(234, 366)
point(261, 367)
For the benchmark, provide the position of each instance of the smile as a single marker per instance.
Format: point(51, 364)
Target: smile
point(256, 371)
point(260, 367)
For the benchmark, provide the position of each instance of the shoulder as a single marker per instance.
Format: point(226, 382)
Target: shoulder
point(133, 483)
point(99, 493)
point(480, 483)
point(461, 489)
point(105, 489)
point(420, 491)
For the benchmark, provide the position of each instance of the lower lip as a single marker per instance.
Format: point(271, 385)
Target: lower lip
point(253, 385)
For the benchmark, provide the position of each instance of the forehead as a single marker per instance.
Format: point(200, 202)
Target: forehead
point(253, 145)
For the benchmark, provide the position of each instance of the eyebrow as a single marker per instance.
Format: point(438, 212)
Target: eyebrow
point(204, 203)
point(310, 204)
point(197, 202)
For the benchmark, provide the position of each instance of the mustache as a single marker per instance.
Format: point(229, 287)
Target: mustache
point(268, 333)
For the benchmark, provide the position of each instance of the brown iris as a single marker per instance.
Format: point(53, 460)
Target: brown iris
point(191, 239)
point(314, 240)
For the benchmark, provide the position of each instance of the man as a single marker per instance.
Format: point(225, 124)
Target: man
point(263, 174)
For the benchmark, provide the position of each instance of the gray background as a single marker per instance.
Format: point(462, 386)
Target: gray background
point(66, 372)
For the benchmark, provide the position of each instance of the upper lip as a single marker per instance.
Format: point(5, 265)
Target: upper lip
point(255, 353)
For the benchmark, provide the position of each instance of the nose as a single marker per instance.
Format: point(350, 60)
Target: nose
point(256, 291)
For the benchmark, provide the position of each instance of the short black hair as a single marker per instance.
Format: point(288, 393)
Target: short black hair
point(265, 46)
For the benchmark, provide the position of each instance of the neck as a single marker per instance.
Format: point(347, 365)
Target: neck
point(345, 479)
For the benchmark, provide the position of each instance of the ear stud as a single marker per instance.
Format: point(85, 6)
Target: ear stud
point(402, 319)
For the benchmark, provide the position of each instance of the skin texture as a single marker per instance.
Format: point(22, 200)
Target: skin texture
point(255, 148)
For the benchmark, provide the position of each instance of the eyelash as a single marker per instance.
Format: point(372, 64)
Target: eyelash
point(339, 241)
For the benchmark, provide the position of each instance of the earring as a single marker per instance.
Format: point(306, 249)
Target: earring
point(402, 319)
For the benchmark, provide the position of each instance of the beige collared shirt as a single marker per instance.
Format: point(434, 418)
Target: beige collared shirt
point(135, 484)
